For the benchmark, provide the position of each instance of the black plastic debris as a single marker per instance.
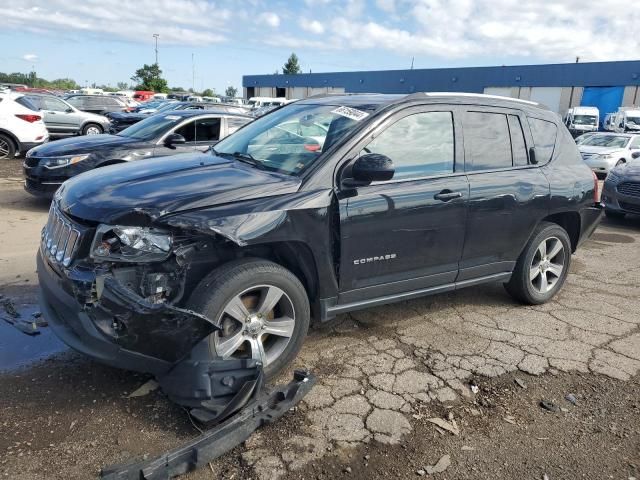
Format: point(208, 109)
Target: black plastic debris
point(247, 415)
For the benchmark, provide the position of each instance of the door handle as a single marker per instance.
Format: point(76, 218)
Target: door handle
point(446, 195)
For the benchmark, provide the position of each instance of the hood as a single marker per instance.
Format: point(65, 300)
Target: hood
point(83, 144)
point(599, 150)
point(148, 189)
point(629, 172)
point(126, 116)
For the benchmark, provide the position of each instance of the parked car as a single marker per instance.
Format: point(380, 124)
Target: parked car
point(62, 118)
point(21, 125)
point(582, 119)
point(603, 151)
point(120, 121)
point(621, 191)
point(257, 102)
point(408, 196)
point(143, 95)
point(99, 104)
point(45, 169)
point(584, 137)
point(609, 123)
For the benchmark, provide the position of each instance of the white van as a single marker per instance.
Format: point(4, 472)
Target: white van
point(194, 98)
point(627, 120)
point(91, 91)
point(580, 120)
point(609, 122)
point(257, 102)
point(160, 96)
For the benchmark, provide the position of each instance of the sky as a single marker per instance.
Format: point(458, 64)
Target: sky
point(105, 41)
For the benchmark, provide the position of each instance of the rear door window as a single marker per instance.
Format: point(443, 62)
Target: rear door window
point(487, 141)
point(544, 138)
point(53, 104)
point(207, 130)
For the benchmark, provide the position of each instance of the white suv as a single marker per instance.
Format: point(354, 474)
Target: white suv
point(21, 125)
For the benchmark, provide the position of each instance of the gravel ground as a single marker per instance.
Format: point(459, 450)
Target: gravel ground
point(383, 376)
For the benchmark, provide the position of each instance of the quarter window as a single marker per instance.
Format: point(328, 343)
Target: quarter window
point(544, 138)
point(487, 140)
point(419, 145)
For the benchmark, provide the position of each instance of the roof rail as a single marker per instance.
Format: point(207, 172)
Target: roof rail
point(336, 94)
point(467, 94)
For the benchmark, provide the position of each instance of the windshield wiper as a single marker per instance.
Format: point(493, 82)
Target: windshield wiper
point(248, 158)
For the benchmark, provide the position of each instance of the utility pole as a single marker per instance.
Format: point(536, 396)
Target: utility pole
point(193, 72)
point(156, 35)
point(412, 59)
point(577, 59)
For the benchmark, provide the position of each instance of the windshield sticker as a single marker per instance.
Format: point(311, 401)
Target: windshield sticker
point(172, 117)
point(352, 113)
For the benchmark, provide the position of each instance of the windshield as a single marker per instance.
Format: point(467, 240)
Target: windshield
point(616, 141)
point(168, 106)
point(584, 120)
point(583, 138)
point(291, 139)
point(152, 127)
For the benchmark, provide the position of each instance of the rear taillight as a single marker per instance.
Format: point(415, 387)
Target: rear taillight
point(312, 147)
point(596, 188)
point(29, 118)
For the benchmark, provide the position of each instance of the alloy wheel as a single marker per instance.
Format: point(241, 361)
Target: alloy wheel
point(4, 148)
point(547, 265)
point(257, 323)
point(93, 131)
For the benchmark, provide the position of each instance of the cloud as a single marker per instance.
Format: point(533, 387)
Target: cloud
point(269, 18)
point(30, 57)
point(314, 26)
point(546, 30)
point(191, 22)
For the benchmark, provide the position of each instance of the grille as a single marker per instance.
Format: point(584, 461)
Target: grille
point(60, 238)
point(631, 189)
point(629, 207)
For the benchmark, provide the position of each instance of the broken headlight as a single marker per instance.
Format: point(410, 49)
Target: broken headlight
point(131, 244)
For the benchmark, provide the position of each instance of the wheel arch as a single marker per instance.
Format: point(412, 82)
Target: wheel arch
point(571, 222)
point(14, 139)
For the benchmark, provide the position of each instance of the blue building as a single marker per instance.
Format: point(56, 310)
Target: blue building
point(606, 85)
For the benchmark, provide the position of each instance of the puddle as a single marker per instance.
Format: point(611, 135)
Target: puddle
point(19, 350)
point(612, 238)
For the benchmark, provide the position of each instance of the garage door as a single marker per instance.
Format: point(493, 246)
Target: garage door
point(606, 99)
point(549, 96)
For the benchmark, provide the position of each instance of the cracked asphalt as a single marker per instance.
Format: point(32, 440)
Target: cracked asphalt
point(378, 370)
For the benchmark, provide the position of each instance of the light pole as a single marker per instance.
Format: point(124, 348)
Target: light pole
point(156, 35)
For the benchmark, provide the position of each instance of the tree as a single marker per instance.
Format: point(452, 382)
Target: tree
point(208, 93)
point(122, 86)
point(149, 77)
point(292, 66)
point(231, 91)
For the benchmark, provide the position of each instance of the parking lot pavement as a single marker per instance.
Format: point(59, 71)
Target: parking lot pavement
point(377, 369)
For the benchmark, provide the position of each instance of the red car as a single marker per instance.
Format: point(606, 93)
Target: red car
point(143, 95)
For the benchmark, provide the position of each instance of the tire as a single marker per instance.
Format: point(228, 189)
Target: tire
point(92, 129)
point(534, 290)
point(251, 280)
point(7, 148)
point(613, 214)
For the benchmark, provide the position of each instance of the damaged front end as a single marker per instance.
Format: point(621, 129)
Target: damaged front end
point(116, 294)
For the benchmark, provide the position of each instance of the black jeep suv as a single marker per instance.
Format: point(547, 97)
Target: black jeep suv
point(324, 206)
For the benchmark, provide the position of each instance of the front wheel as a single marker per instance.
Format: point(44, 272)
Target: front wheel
point(543, 265)
point(261, 308)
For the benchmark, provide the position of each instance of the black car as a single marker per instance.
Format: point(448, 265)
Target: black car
point(621, 191)
point(121, 120)
point(45, 169)
point(227, 255)
point(100, 104)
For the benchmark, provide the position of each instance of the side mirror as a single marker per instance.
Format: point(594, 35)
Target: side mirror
point(174, 139)
point(532, 156)
point(69, 110)
point(372, 167)
point(635, 155)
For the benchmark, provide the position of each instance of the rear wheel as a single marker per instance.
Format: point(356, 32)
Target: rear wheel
point(92, 129)
point(543, 265)
point(261, 308)
point(7, 148)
